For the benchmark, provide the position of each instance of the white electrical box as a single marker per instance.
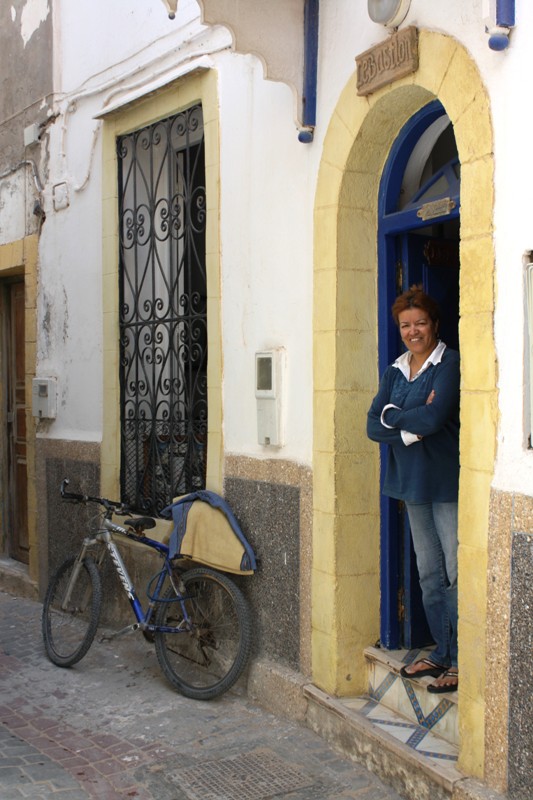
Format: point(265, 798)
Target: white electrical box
point(268, 386)
point(31, 135)
point(44, 398)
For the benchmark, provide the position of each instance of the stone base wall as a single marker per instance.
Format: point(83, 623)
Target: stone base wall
point(509, 685)
point(61, 526)
point(273, 502)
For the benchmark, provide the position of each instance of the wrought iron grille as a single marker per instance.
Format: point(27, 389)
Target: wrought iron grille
point(163, 311)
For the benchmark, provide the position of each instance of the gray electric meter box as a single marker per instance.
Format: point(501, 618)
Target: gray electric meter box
point(268, 378)
point(44, 398)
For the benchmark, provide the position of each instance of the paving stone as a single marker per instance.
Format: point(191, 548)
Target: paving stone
point(112, 728)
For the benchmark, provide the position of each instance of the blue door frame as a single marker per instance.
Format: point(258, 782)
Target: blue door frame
point(400, 597)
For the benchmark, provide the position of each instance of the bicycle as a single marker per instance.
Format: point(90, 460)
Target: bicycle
point(198, 618)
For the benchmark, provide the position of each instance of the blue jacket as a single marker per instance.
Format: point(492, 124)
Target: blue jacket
point(428, 470)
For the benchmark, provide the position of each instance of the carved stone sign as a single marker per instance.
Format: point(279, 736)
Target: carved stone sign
point(388, 61)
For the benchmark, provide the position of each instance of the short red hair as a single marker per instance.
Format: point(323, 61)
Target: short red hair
point(415, 297)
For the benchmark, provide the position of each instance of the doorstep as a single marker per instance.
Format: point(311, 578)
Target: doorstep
point(15, 579)
point(345, 723)
point(410, 698)
point(397, 741)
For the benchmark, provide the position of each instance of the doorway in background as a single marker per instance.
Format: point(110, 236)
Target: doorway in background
point(14, 382)
point(418, 243)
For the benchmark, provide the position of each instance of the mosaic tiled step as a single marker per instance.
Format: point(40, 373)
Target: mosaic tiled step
point(418, 763)
point(432, 713)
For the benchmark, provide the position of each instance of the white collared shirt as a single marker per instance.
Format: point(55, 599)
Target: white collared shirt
point(403, 363)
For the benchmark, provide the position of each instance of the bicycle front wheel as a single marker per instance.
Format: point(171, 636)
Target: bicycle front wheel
point(209, 650)
point(71, 612)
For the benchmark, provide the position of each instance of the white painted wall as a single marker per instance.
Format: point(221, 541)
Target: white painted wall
point(267, 194)
point(267, 201)
point(513, 122)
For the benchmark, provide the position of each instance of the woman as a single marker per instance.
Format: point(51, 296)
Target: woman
point(416, 412)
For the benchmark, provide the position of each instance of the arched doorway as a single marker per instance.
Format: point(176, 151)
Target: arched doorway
point(418, 243)
point(346, 497)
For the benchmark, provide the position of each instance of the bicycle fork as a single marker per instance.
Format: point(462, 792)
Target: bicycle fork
point(76, 569)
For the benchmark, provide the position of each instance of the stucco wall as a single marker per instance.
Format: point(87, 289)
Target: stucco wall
point(26, 80)
point(266, 220)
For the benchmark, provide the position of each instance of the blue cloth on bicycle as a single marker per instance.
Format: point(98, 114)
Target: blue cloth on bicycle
point(179, 511)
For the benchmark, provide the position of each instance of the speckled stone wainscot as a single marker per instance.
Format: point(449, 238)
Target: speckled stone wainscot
point(63, 527)
point(521, 641)
point(272, 500)
point(509, 688)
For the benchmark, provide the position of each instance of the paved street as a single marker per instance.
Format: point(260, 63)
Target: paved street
point(112, 728)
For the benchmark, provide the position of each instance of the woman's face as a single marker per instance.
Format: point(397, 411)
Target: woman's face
point(418, 332)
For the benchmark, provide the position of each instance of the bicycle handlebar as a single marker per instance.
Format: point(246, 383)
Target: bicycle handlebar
point(109, 505)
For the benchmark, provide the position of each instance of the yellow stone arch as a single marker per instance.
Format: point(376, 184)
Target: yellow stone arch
point(345, 615)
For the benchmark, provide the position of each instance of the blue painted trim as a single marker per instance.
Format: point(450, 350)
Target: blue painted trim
point(389, 190)
point(408, 219)
point(499, 41)
point(505, 20)
point(505, 13)
point(401, 150)
point(310, 70)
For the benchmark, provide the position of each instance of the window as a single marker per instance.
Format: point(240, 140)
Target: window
point(163, 311)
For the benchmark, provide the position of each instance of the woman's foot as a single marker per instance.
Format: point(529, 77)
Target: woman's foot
point(448, 682)
point(422, 668)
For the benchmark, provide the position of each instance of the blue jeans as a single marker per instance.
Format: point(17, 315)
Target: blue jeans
point(434, 532)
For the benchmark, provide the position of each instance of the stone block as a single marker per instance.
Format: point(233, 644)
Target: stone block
point(323, 482)
point(350, 411)
point(478, 430)
point(325, 305)
point(473, 131)
point(477, 204)
point(435, 54)
point(324, 409)
point(474, 498)
point(356, 476)
point(324, 351)
point(478, 361)
point(471, 734)
point(329, 184)
point(278, 689)
point(356, 360)
point(477, 285)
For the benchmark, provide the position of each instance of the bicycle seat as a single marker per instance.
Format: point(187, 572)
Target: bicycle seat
point(140, 523)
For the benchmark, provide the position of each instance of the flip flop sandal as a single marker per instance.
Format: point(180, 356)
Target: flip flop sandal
point(431, 669)
point(445, 687)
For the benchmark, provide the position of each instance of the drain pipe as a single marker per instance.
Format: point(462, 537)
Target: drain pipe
point(307, 130)
point(501, 23)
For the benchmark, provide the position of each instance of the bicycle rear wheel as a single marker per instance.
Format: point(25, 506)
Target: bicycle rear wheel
point(203, 659)
point(70, 627)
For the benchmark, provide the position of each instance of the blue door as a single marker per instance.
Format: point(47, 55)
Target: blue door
point(418, 243)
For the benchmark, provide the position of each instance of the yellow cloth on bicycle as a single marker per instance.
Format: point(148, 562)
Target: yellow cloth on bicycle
point(210, 539)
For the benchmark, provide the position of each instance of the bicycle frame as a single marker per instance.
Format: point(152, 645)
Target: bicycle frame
point(104, 538)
